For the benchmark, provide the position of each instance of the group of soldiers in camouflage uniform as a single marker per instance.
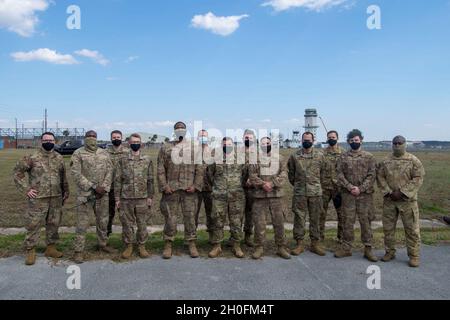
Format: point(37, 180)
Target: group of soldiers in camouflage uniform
point(241, 190)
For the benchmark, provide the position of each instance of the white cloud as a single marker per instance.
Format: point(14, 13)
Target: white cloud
point(315, 5)
point(95, 56)
point(131, 59)
point(45, 55)
point(19, 16)
point(223, 26)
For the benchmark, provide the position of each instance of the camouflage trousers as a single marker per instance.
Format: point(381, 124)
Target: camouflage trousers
point(112, 210)
point(206, 198)
point(171, 206)
point(41, 213)
point(134, 211)
point(248, 213)
point(233, 208)
point(269, 207)
point(336, 197)
point(98, 208)
point(302, 207)
point(362, 207)
point(409, 213)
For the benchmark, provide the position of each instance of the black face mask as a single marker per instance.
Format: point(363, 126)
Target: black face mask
point(332, 142)
point(135, 147)
point(248, 143)
point(267, 149)
point(307, 144)
point(355, 145)
point(117, 143)
point(227, 150)
point(48, 146)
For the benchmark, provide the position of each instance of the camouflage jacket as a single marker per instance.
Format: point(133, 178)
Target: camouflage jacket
point(264, 172)
point(227, 178)
point(305, 173)
point(116, 155)
point(207, 183)
point(91, 169)
point(405, 173)
point(134, 177)
point(357, 169)
point(44, 172)
point(330, 174)
point(251, 157)
point(182, 175)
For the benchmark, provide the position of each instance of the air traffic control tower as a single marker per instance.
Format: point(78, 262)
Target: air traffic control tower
point(311, 121)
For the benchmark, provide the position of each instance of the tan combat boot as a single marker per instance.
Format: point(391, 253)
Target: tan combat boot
point(317, 249)
point(193, 250)
point(389, 256)
point(283, 253)
point(299, 249)
point(414, 262)
point(248, 240)
point(259, 252)
point(342, 253)
point(31, 257)
point(51, 252)
point(167, 253)
point(368, 254)
point(78, 257)
point(128, 252)
point(237, 251)
point(143, 253)
point(215, 252)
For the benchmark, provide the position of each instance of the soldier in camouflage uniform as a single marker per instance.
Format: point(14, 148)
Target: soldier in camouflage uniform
point(116, 151)
point(400, 177)
point(330, 190)
point(205, 196)
point(134, 187)
point(251, 156)
point(305, 171)
point(227, 177)
point(42, 178)
point(268, 178)
point(180, 178)
point(92, 172)
point(356, 178)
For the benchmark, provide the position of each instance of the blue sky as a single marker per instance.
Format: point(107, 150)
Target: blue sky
point(154, 67)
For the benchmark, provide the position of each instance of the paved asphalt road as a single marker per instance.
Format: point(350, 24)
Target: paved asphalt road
point(306, 277)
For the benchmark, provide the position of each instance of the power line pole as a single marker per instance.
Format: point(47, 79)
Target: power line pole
point(17, 135)
point(45, 120)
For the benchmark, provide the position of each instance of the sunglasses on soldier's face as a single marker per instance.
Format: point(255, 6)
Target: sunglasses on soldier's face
point(398, 143)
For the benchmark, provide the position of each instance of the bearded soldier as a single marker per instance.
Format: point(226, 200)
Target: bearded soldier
point(92, 171)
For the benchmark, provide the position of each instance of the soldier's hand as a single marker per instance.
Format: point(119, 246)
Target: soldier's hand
point(32, 194)
point(248, 183)
point(117, 205)
point(396, 195)
point(191, 189)
point(65, 197)
point(149, 202)
point(100, 191)
point(268, 187)
point(168, 190)
point(356, 192)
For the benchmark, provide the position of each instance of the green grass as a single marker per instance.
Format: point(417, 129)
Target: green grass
point(434, 196)
point(13, 245)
